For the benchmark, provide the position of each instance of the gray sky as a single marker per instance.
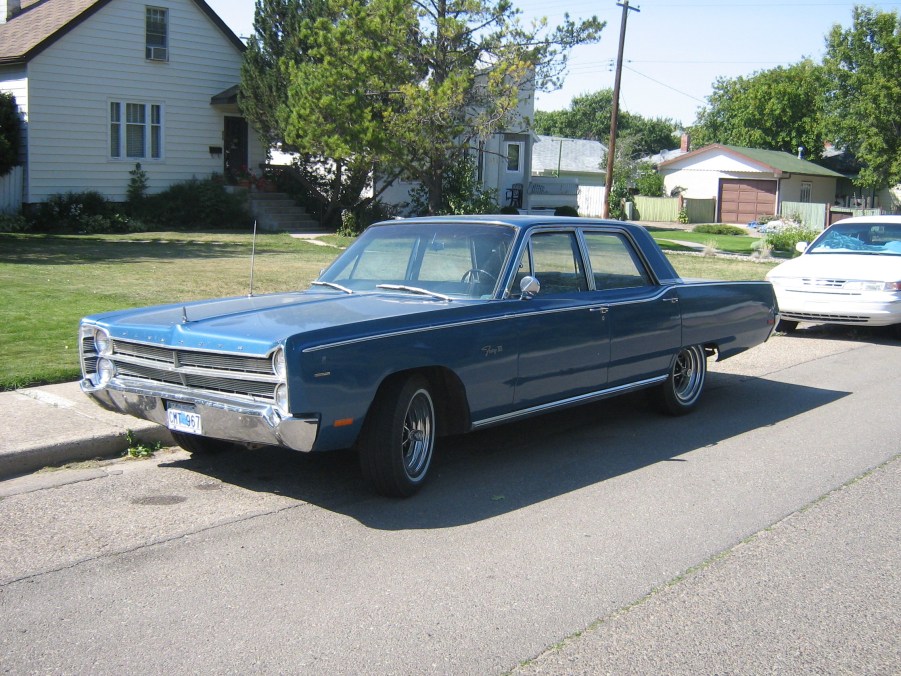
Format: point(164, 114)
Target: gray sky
point(675, 49)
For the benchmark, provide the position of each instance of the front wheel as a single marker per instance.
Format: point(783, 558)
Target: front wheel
point(399, 437)
point(683, 387)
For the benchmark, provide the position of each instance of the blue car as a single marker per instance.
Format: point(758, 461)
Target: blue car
point(426, 327)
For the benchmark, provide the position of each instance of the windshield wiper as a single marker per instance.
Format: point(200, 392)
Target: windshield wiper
point(332, 285)
point(413, 289)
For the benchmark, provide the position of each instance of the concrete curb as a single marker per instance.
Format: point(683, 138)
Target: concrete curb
point(56, 424)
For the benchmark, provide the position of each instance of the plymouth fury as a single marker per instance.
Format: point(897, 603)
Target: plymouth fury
point(426, 327)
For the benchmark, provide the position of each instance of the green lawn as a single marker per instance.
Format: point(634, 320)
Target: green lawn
point(739, 244)
point(47, 283)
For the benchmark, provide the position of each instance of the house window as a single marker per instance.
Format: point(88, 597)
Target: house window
point(805, 191)
point(157, 34)
point(138, 134)
point(514, 158)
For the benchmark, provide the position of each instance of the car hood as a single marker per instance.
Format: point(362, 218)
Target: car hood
point(256, 324)
point(862, 267)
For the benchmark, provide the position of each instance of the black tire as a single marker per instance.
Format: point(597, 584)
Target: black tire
point(198, 445)
point(682, 389)
point(786, 326)
point(399, 437)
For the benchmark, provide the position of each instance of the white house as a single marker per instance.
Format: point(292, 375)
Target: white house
point(748, 182)
point(105, 84)
point(503, 161)
point(568, 172)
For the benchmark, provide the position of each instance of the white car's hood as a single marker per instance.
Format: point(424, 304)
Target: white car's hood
point(861, 267)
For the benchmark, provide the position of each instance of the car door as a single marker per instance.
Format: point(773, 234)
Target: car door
point(643, 317)
point(562, 333)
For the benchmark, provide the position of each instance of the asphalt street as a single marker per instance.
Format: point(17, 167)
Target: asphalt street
point(758, 535)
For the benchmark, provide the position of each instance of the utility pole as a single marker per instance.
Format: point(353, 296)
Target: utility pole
point(614, 117)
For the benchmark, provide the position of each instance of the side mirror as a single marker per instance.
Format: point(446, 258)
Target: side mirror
point(801, 247)
point(529, 286)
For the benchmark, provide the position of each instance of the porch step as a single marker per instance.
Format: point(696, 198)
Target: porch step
point(278, 212)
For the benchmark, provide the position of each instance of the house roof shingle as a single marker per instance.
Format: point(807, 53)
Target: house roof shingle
point(43, 22)
point(775, 160)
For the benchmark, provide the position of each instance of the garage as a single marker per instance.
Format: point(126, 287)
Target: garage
point(743, 200)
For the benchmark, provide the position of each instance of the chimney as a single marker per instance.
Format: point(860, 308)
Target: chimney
point(685, 146)
point(800, 152)
point(9, 8)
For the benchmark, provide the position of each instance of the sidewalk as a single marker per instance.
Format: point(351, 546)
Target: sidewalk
point(56, 424)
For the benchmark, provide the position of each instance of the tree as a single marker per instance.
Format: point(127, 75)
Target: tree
point(407, 84)
point(588, 117)
point(10, 133)
point(863, 64)
point(776, 109)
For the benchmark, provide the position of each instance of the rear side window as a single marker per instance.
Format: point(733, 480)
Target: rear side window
point(614, 263)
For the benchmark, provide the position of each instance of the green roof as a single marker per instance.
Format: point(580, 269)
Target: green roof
point(784, 162)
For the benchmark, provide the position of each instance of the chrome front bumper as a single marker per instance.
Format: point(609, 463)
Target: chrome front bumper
point(222, 418)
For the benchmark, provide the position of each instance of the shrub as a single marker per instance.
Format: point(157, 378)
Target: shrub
point(77, 212)
point(507, 209)
point(683, 216)
point(10, 136)
point(13, 223)
point(719, 229)
point(566, 210)
point(350, 225)
point(785, 239)
point(196, 204)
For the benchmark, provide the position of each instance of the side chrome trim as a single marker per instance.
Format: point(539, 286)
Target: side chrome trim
point(571, 401)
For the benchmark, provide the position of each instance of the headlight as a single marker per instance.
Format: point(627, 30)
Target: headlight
point(103, 344)
point(278, 363)
point(281, 398)
point(105, 371)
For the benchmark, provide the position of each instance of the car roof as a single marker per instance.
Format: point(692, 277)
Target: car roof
point(522, 221)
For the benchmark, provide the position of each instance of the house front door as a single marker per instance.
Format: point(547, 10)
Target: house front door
point(235, 156)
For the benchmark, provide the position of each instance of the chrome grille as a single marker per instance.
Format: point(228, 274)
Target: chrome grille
point(207, 372)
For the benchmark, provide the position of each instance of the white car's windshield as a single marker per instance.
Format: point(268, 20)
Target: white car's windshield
point(438, 259)
point(861, 238)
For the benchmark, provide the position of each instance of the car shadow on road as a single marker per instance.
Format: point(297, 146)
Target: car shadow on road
point(488, 473)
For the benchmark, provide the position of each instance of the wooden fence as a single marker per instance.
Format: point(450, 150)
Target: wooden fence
point(11, 187)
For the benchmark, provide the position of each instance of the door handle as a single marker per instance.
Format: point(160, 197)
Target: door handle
point(602, 310)
point(674, 299)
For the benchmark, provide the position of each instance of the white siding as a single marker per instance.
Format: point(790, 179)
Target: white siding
point(74, 80)
point(822, 189)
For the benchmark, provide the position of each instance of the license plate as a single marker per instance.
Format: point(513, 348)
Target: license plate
point(181, 420)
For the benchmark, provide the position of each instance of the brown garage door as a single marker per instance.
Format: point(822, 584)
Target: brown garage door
point(743, 200)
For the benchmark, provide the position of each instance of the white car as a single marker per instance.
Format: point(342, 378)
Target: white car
point(850, 274)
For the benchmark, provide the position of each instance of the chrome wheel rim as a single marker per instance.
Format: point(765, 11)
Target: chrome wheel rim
point(688, 375)
point(418, 435)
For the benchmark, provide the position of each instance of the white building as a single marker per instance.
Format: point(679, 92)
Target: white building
point(104, 84)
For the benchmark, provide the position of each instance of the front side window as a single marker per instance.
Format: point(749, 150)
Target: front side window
point(136, 130)
point(157, 34)
point(553, 258)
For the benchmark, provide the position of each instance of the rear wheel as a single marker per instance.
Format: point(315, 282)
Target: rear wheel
point(198, 445)
point(682, 389)
point(399, 437)
point(786, 326)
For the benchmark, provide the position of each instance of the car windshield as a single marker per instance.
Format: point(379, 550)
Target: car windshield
point(859, 238)
point(427, 259)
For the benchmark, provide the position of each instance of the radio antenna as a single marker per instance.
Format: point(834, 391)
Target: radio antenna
point(253, 250)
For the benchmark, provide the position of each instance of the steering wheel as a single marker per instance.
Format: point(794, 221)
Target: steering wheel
point(477, 275)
